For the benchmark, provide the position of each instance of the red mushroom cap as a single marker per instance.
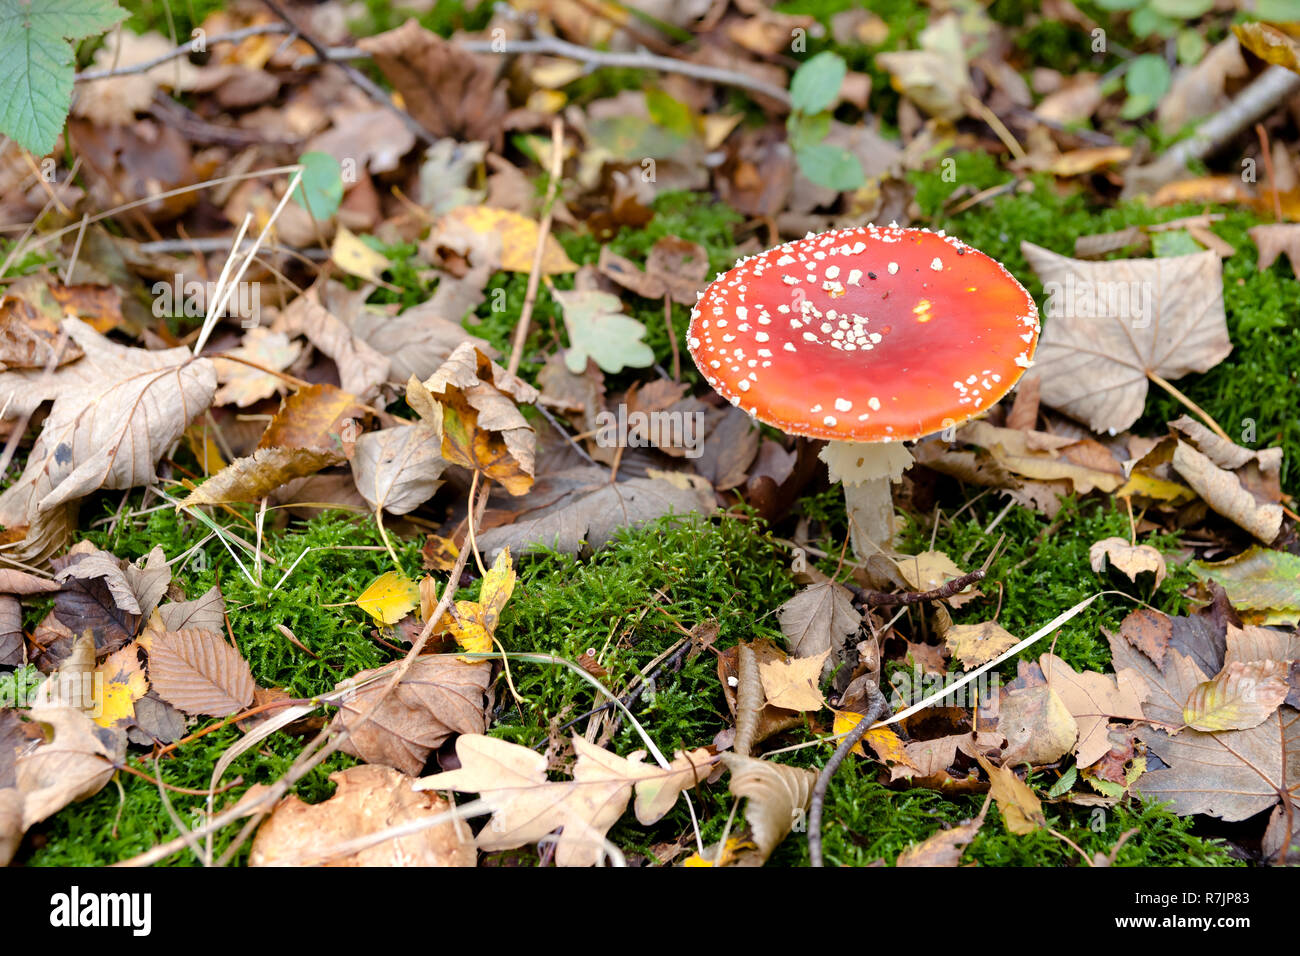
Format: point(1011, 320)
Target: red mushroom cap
point(865, 335)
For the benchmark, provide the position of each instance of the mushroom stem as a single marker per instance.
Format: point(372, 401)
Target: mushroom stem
point(870, 506)
point(868, 469)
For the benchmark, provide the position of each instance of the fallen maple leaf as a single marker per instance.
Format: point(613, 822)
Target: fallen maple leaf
point(526, 806)
point(792, 683)
point(242, 384)
point(471, 400)
point(1231, 774)
point(472, 623)
point(368, 799)
point(1091, 698)
point(599, 330)
point(1115, 326)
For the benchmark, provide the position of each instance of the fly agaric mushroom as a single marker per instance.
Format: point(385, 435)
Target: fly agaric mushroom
point(866, 337)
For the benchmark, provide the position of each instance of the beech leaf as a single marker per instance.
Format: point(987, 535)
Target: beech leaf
point(199, 673)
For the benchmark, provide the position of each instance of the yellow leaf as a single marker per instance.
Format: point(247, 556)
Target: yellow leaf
point(353, 256)
point(1148, 486)
point(389, 597)
point(473, 623)
point(728, 853)
point(518, 239)
point(887, 744)
point(119, 683)
point(792, 682)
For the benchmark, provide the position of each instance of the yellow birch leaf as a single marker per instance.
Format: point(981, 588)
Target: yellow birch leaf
point(888, 746)
point(356, 258)
point(389, 597)
point(120, 682)
point(518, 239)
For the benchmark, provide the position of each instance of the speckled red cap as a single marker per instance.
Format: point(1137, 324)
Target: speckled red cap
point(871, 334)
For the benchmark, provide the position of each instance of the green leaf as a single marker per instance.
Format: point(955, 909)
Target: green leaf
point(1191, 47)
point(673, 115)
point(831, 166)
point(816, 84)
point(599, 329)
point(1146, 21)
point(1188, 9)
point(36, 63)
point(1065, 783)
point(1119, 4)
point(1146, 81)
point(807, 130)
point(1278, 11)
point(1263, 584)
point(321, 189)
point(1175, 242)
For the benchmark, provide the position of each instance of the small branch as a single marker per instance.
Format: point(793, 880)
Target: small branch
point(876, 707)
point(185, 49)
point(543, 233)
point(367, 85)
point(884, 598)
point(554, 46)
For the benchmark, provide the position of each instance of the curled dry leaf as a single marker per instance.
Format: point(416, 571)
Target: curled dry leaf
point(362, 369)
point(1132, 559)
point(777, 797)
point(438, 697)
point(1224, 492)
point(199, 673)
point(471, 401)
point(1022, 812)
point(1112, 324)
point(368, 799)
point(749, 699)
point(75, 763)
point(254, 477)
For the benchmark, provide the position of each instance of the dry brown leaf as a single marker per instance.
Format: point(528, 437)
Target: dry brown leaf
point(419, 340)
point(368, 799)
point(450, 92)
point(1045, 457)
point(199, 673)
point(1091, 698)
point(818, 620)
point(242, 384)
point(1109, 324)
point(1224, 492)
point(588, 511)
point(1132, 559)
point(944, 847)
point(1038, 726)
point(1276, 239)
point(362, 369)
point(438, 697)
point(1198, 91)
point(75, 763)
point(206, 612)
point(527, 806)
point(254, 477)
point(1021, 810)
point(1231, 774)
point(399, 468)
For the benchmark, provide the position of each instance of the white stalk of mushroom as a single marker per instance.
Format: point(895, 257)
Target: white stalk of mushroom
point(865, 337)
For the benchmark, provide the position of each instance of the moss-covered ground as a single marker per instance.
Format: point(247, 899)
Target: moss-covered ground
point(636, 595)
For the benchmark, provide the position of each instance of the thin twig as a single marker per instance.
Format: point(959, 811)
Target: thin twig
point(363, 82)
point(185, 49)
point(876, 707)
point(946, 590)
point(543, 233)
